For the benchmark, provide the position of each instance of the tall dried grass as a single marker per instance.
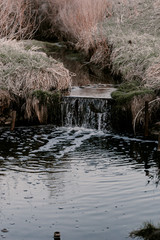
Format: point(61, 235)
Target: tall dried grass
point(22, 72)
point(131, 29)
point(75, 19)
point(33, 107)
point(5, 99)
point(22, 19)
point(133, 33)
point(79, 20)
point(18, 18)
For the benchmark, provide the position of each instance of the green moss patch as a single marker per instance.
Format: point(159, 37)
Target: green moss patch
point(46, 97)
point(127, 90)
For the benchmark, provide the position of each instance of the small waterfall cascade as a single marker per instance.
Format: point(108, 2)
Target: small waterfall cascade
point(93, 113)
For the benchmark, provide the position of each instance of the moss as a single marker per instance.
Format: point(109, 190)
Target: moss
point(127, 90)
point(46, 97)
point(52, 100)
point(148, 232)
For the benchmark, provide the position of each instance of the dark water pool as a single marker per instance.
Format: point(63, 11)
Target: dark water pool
point(84, 183)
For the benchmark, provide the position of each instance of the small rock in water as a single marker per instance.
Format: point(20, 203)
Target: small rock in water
point(57, 236)
point(4, 230)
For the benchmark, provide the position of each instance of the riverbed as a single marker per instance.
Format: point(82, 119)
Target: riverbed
point(85, 183)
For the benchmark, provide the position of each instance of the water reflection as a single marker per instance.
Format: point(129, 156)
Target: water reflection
point(83, 182)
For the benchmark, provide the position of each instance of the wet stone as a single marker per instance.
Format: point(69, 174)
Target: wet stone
point(4, 230)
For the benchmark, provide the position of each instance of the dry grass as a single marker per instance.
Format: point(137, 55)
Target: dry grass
point(133, 54)
point(5, 99)
point(152, 74)
point(79, 20)
point(18, 18)
point(133, 31)
point(22, 71)
point(130, 28)
point(138, 110)
point(33, 107)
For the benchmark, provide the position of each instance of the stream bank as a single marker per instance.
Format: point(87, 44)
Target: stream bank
point(34, 106)
point(44, 106)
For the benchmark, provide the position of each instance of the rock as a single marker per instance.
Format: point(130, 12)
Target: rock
point(4, 230)
point(155, 235)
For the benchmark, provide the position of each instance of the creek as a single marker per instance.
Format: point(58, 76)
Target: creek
point(84, 181)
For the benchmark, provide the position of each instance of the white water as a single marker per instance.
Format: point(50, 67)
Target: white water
point(87, 113)
point(74, 136)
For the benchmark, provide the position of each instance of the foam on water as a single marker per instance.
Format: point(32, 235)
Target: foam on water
point(74, 137)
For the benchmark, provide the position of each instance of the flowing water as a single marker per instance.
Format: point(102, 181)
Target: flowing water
point(89, 113)
point(88, 107)
point(85, 183)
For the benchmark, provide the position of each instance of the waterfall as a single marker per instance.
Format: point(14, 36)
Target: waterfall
point(91, 113)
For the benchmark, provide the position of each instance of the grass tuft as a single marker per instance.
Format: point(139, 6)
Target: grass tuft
point(133, 33)
point(24, 71)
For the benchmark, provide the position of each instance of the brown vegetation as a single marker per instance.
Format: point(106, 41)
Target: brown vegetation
point(22, 19)
point(5, 99)
point(120, 34)
point(79, 20)
point(76, 20)
point(24, 71)
point(18, 18)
